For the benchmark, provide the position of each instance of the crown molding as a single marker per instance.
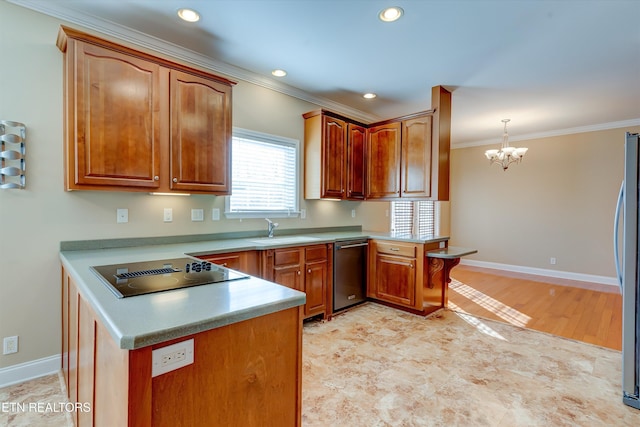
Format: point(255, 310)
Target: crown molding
point(126, 34)
point(548, 134)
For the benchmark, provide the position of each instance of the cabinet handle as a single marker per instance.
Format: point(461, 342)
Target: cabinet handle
point(298, 272)
point(410, 265)
point(156, 178)
point(175, 179)
point(224, 264)
point(394, 249)
point(309, 271)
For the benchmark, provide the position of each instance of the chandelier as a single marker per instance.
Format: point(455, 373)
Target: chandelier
point(506, 154)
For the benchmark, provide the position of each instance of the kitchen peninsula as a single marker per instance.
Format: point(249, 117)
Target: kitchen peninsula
point(247, 334)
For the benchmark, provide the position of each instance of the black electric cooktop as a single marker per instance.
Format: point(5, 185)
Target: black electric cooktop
point(139, 278)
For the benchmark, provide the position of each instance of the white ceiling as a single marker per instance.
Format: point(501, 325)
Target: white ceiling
point(550, 66)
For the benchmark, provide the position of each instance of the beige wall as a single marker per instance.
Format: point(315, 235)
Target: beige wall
point(559, 202)
point(35, 220)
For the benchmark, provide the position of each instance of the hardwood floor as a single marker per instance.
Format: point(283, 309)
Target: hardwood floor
point(591, 313)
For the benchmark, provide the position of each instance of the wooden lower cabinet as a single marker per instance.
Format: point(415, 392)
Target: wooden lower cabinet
point(396, 273)
point(400, 275)
point(244, 374)
point(307, 269)
point(244, 261)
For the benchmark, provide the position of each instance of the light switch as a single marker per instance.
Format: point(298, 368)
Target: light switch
point(197, 214)
point(215, 214)
point(168, 214)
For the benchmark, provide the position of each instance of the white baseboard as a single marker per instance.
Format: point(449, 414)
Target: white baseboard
point(29, 370)
point(603, 280)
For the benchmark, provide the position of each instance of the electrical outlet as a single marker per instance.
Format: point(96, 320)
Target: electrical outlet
point(122, 216)
point(10, 345)
point(197, 214)
point(552, 261)
point(168, 214)
point(353, 213)
point(171, 357)
point(303, 213)
point(215, 214)
point(175, 357)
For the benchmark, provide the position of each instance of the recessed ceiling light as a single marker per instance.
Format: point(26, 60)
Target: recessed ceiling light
point(279, 73)
point(189, 15)
point(391, 14)
point(369, 95)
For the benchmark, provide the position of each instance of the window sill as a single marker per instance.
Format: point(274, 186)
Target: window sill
point(261, 214)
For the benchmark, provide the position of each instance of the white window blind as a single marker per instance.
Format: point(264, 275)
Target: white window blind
point(426, 219)
point(264, 175)
point(416, 218)
point(402, 217)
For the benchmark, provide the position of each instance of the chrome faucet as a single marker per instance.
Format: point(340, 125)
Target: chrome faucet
point(272, 226)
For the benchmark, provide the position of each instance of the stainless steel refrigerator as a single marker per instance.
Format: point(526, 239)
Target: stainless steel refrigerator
point(628, 270)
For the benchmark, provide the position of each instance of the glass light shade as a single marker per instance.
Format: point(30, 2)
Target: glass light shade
point(521, 151)
point(491, 154)
point(508, 150)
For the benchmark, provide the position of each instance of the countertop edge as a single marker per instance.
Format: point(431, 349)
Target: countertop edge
point(451, 252)
point(133, 343)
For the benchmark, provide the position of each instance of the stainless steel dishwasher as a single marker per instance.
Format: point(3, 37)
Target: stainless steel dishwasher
point(349, 273)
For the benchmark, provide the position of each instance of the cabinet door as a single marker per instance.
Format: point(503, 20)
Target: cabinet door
point(395, 279)
point(315, 286)
point(117, 110)
point(289, 277)
point(334, 161)
point(416, 157)
point(200, 134)
point(383, 154)
point(287, 266)
point(356, 161)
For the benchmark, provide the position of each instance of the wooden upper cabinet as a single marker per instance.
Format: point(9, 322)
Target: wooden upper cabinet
point(200, 134)
point(383, 161)
point(416, 157)
point(405, 157)
point(356, 162)
point(136, 122)
point(334, 156)
point(117, 127)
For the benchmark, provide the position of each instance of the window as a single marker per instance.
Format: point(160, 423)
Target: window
point(413, 218)
point(264, 178)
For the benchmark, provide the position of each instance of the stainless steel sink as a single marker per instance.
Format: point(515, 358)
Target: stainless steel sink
point(283, 240)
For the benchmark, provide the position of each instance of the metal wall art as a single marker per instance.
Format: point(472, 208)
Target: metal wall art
point(12, 154)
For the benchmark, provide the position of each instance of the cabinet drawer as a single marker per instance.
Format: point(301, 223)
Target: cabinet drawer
point(315, 253)
point(232, 261)
point(286, 256)
point(396, 248)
